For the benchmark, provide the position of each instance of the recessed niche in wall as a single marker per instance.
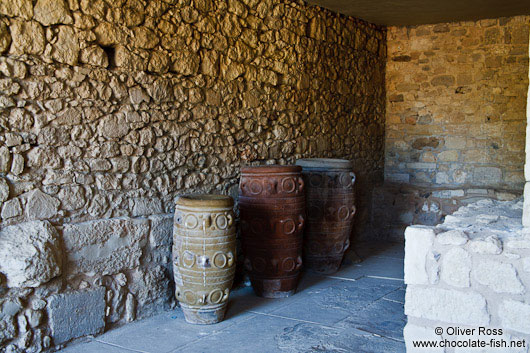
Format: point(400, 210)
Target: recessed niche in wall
point(111, 55)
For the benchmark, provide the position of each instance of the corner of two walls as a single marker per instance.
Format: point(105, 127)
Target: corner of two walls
point(110, 109)
point(455, 119)
point(526, 204)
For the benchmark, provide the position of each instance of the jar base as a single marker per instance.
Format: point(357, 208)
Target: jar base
point(206, 315)
point(325, 265)
point(276, 294)
point(275, 288)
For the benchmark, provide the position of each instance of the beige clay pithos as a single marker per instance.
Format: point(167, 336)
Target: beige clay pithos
point(204, 256)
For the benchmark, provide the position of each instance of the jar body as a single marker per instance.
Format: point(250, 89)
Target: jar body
point(272, 212)
point(330, 204)
point(204, 256)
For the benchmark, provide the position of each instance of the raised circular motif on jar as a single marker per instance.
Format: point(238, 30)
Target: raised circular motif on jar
point(189, 297)
point(215, 296)
point(255, 187)
point(187, 259)
point(191, 221)
point(338, 248)
point(343, 213)
point(288, 264)
point(315, 180)
point(345, 179)
point(221, 221)
point(289, 226)
point(288, 185)
point(220, 260)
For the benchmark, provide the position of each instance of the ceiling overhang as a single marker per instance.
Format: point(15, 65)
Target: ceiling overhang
point(415, 12)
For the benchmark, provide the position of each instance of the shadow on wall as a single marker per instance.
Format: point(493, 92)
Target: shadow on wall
point(396, 206)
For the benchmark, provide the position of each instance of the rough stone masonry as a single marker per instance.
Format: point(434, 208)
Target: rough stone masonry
point(455, 119)
point(109, 109)
point(456, 104)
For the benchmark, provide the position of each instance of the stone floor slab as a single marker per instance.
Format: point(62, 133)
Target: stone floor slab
point(165, 332)
point(396, 296)
point(358, 309)
point(93, 346)
point(375, 266)
point(308, 338)
point(258, 334)
point(308, 309)
point(331, 303)
point(382, 317)
point(244, 299)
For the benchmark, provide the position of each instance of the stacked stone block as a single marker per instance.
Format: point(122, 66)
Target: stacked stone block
point(112, 108)
point(60, 283)
point(470, 271)
point(455, 119)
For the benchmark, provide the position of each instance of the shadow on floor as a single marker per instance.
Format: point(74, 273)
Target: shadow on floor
point(357, 309)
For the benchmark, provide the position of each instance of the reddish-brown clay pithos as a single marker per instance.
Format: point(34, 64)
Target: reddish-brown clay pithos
point(272, 212)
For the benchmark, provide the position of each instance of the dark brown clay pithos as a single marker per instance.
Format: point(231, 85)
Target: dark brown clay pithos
point(272, 213)
point(330, 205)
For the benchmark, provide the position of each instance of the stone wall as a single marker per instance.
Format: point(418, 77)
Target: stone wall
point(471, 271)
point(526, 209)
point(396, 206)
point(109, 109)
point(455, 118)
point(456, 103)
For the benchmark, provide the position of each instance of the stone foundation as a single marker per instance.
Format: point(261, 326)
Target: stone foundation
point(471, 271)
point(101, 273)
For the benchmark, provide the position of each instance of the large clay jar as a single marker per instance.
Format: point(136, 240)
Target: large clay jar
point(204, 251)
point(330, 205)
point(272, 212)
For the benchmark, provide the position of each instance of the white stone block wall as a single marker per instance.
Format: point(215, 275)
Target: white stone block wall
point(471, 271)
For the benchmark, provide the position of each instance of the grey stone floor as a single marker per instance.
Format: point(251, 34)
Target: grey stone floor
point(358, 309)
